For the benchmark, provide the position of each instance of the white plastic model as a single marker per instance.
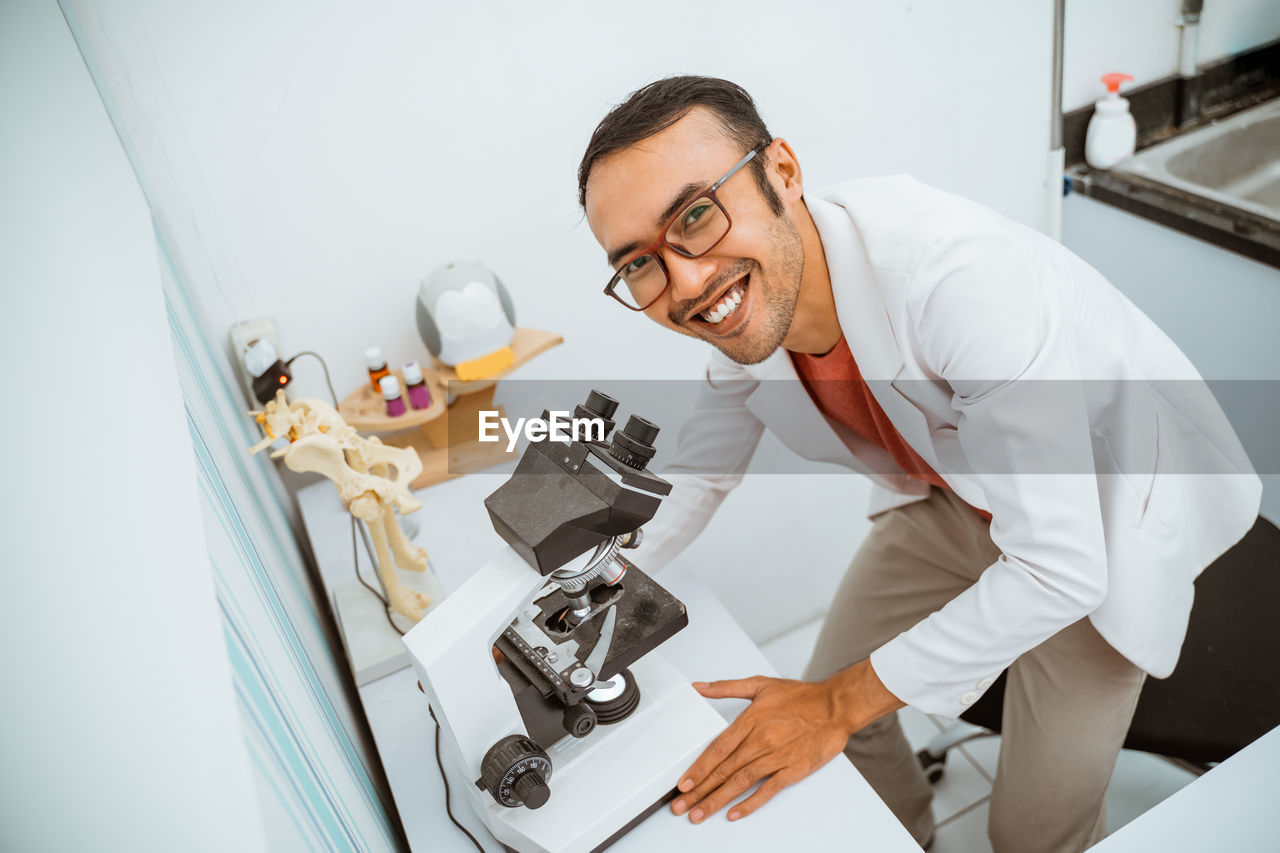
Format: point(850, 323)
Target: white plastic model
point(466, 319)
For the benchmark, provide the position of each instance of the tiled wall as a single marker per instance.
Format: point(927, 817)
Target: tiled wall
point(1140, 37)
point(168, 681)
point(314, 780)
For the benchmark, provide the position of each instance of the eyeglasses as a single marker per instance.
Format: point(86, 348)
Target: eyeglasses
point(695, 230)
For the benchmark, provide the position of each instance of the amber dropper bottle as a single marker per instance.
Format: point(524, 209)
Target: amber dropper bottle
point(377, 367)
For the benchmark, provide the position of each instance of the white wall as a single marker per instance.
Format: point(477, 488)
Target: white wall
point(119, 728)
point(312, 162)
point(1139, 37)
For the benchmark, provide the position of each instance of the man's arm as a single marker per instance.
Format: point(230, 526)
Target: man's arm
point(713, 449)
point(990, 318)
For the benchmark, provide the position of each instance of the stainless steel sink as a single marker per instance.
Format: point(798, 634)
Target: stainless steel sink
point(1235, 161)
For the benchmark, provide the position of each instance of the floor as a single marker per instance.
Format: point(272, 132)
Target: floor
point(960, 798)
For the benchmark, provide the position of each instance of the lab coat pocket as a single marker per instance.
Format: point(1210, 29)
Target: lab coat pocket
point(1125, 434)
point(1194, 479)
point(1125, 467)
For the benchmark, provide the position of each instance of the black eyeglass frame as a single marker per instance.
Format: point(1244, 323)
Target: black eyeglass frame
point(652, 248)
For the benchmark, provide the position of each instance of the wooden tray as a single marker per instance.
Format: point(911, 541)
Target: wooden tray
point(448, 446)
point(365, 409)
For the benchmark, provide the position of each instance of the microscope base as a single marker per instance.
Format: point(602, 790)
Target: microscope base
point(606, 783)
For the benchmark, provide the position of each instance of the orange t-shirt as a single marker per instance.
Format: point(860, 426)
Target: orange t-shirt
point(837, 387)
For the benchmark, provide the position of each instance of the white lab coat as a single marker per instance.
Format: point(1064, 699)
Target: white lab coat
point(1022, 377)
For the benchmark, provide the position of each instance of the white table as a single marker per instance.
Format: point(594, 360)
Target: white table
point(1225, 809)
point(833, 809)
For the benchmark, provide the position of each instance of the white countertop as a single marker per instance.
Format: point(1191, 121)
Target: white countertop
point(1225, 809)
point(833, 808)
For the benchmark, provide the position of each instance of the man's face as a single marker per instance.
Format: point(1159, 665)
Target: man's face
point(758, 263)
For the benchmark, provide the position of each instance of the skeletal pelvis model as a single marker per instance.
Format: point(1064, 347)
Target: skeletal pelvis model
point(372, 480)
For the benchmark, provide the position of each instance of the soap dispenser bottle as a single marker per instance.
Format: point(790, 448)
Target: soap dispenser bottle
point(1112, 132)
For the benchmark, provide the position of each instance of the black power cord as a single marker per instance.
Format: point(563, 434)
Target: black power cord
point(355, 551)
point(386, 611)
point(445, 779)
point(333, 396)
point(355, 562)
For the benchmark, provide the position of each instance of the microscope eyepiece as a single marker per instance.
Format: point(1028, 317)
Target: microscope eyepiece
point(641, 430)
point(600, 406)
point(634, 445)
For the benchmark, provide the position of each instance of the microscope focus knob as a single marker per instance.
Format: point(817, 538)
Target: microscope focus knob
point(516, 771)
point(532, 790)
point(579, 720)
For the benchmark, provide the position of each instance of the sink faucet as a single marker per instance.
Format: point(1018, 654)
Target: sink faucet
point(1188, 23)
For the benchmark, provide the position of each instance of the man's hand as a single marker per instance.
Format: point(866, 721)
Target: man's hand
point(790, 729)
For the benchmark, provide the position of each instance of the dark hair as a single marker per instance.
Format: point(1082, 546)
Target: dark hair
point(661, 104)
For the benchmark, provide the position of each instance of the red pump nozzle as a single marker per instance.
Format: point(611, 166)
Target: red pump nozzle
point(1114, 79)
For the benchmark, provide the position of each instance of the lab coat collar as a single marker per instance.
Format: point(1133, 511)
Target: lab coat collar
point(781, 400)
point(860, 306)
point(864, 317)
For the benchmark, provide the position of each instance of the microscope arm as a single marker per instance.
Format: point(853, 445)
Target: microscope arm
point(452, 653)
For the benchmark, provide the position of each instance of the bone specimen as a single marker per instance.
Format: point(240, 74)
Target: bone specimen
point(372, 479)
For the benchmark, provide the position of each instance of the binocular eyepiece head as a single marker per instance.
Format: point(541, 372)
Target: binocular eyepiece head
point(565, 498)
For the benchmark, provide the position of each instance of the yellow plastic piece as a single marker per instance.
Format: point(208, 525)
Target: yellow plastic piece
point(486, 365)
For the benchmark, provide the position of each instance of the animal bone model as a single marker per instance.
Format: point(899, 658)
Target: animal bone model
point(372, 479)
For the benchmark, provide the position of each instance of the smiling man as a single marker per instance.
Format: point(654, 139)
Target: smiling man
point(1028, 516)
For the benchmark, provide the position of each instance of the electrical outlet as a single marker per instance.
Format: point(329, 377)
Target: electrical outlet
point(242, 335)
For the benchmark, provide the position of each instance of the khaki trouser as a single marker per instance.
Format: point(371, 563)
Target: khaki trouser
point(1067, 705)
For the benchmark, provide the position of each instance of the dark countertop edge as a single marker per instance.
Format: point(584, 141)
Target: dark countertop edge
point(1240, 231)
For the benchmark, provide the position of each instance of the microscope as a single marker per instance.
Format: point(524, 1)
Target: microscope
point(540, 669)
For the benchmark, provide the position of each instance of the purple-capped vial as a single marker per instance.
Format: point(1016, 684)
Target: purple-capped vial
point(416, 386)
point(391, 393)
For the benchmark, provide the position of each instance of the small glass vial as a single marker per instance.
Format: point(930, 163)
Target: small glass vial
point(415, 387)
point(377, 366)
point(390, 387)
